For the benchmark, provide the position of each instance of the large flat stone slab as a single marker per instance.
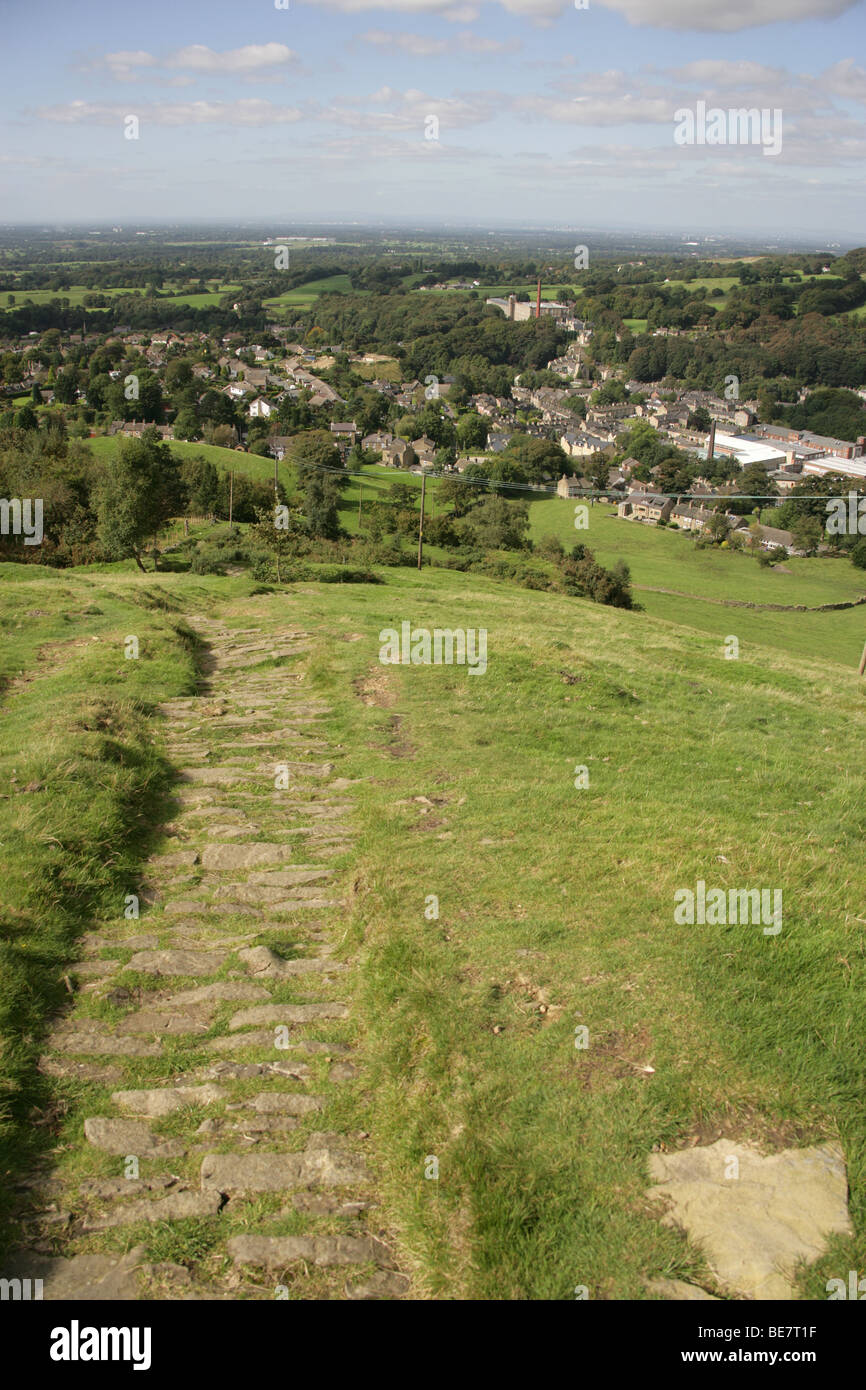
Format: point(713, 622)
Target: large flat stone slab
point(174, 1207)
point(276, 1252)
point(383, 1284)
point(248, 856)
point(166, 1100)
point(213, 776)
point(196, 1019)
point(289, 878)
point(277, 1014)
point(230, 991)
point(754, 1228)
point(84, 1041)
point(261, 960)
point(176, 859)
point(124, 1137)
point(324, 1161)
point(80, 1071)
point(84, 1278)
point(170, 962)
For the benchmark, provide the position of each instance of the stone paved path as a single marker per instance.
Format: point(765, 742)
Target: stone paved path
point(210, 1042)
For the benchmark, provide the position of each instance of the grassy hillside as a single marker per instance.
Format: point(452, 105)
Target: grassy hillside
point(105, 446)
point(81, 783)
point(555, 903)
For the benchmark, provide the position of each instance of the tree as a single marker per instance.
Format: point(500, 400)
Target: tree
point(536, 457)
point(753, 483)
point(718, 527)
point(461, 495)
point(135, 496)
point(186, 425)
point(496, 524)
point(201, 482)
point(808, 534)
point(319, 469)
point(472, 431)
point(277, 529)
point(858, 555)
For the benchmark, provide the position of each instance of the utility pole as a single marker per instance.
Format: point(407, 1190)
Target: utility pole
point(276, 477)
point(421, 522)
point(360, 494)
point(863, 663)
point(231, 494)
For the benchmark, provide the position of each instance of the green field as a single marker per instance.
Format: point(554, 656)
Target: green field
point(77, 293)
point(720, 282)
point(307, 294)
point(105, 446)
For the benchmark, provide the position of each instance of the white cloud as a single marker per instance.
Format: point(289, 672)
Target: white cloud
point(724, 16)
point(251, 61)
point(721, 73)
point(252, 58)
point(124, 65)
point(188, 113)
point(720, 16)
point(409, 110)
point(845, 80)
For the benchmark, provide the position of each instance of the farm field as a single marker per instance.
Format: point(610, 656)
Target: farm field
point(77, 293)
point(307, 294)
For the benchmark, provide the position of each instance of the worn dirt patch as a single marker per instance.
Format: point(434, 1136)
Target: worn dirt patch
point(375, 688)
point(614, 1057)
point(398, 746)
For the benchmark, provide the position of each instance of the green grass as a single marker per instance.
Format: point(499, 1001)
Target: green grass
point(378, 371)
point(661, 558)
point(305, 295)
point(76, 295)
point(82, 789)
point(560, 900)
point(666, 559)
point(709, 282)
point(105, 447)
point(555, 905)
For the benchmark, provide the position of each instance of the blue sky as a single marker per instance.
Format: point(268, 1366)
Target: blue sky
point(542, 112)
